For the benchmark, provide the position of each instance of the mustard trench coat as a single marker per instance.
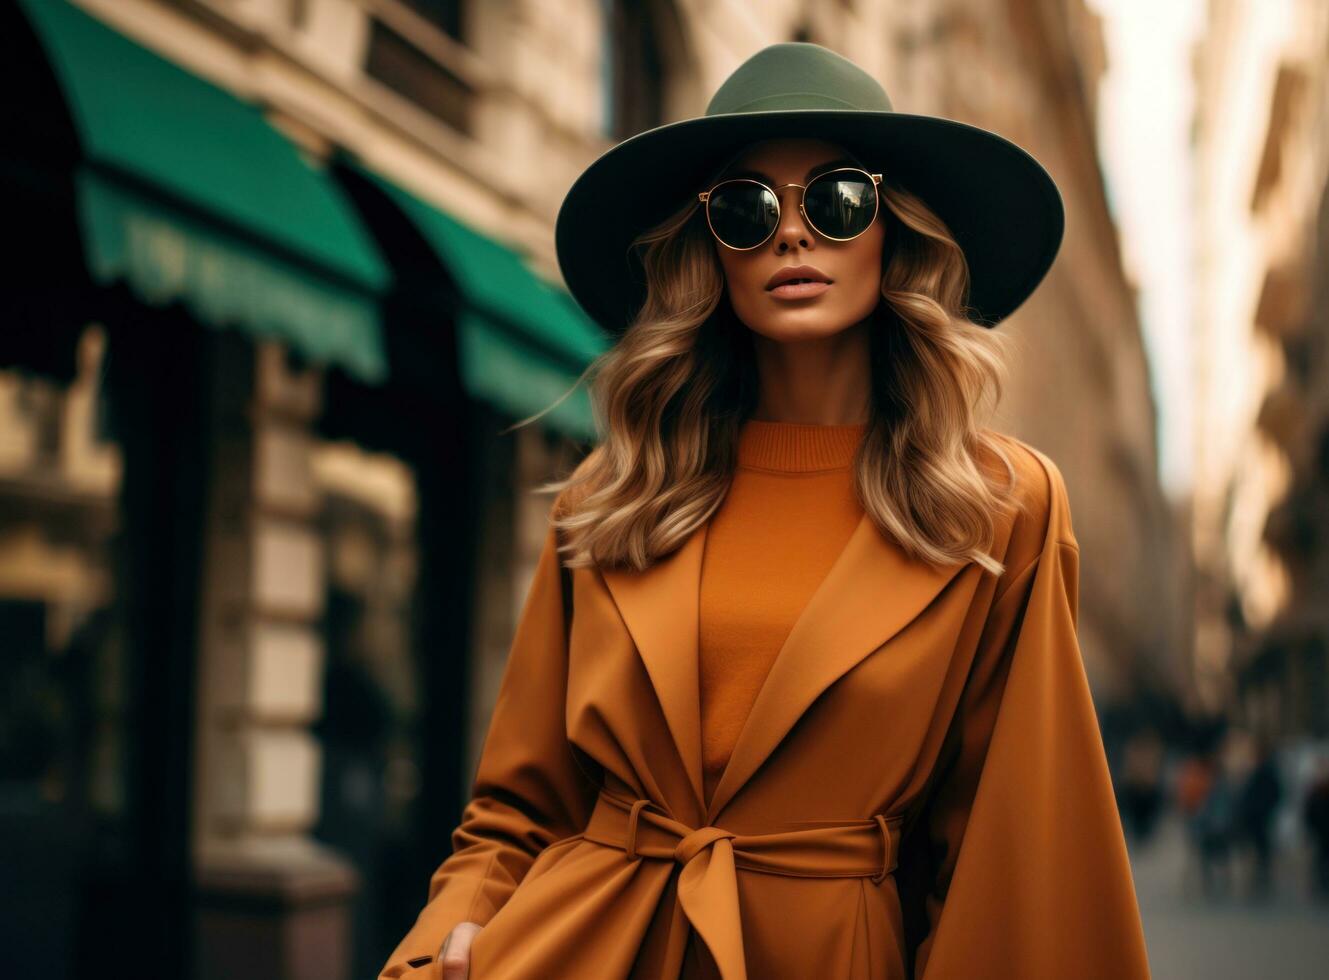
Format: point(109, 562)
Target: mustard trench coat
point(919, 791)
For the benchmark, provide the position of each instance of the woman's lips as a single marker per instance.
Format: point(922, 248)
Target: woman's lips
point(799, 290)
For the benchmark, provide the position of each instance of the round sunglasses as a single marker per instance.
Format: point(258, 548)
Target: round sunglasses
point(841, 204)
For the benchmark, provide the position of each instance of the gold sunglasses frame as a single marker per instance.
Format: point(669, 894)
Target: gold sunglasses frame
point(705, 198)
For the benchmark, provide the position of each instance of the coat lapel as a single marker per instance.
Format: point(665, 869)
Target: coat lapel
point(872, 591)
point(660, 607)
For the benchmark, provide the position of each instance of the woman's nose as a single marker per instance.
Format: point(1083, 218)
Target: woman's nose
point(793, 229)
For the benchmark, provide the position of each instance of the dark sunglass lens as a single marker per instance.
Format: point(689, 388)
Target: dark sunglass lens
point(743, 213)
point(842, 203)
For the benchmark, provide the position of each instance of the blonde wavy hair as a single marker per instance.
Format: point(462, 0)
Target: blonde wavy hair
point(670, 395)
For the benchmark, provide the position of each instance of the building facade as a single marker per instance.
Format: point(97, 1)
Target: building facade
point(1262, 156)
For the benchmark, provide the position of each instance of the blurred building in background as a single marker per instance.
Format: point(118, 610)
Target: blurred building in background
point(288, 275)
point(1029, 69)
point(1261, 510)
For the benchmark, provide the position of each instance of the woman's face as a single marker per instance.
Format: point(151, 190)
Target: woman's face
point(854, 268)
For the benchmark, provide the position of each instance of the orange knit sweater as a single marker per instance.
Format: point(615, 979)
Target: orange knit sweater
point(787, 515)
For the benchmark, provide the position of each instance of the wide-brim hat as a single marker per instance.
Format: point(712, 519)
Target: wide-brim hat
point(1000, 204)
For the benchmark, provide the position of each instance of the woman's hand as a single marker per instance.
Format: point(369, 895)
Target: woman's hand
point(455, 956)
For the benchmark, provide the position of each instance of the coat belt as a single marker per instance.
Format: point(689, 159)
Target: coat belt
point(708, 856)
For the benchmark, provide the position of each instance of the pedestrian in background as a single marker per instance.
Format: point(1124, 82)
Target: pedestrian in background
point(1142, 784)
point(1195, 775)
point(1213, 830)
point(1261, 794)
point(1315, 815)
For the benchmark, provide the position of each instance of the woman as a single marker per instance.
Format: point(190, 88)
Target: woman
point(796, 691)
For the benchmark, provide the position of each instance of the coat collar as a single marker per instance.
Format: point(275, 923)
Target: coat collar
point(872, 591)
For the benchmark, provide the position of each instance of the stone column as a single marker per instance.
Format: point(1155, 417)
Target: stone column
point(270, 900)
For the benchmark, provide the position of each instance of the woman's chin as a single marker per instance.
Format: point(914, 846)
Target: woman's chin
point(795, 325)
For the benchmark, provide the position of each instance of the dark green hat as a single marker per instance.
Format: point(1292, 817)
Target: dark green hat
point(998, 201)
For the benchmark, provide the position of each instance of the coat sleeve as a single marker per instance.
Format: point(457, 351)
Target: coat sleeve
point(1028, 870)
point(530, 789)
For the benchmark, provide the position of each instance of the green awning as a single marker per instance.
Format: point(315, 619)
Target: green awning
point(524, 341)
point(188, 194)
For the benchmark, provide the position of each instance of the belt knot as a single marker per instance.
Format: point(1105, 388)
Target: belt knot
point(692, 844)
point(708, 890)
point(689, 845)
point(812, 849)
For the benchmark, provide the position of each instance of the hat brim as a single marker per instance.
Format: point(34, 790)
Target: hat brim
point(1001, 205)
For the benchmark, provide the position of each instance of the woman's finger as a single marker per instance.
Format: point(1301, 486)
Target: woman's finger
point(455, 956)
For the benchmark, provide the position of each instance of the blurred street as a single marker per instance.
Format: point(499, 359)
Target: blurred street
point(1191, 937)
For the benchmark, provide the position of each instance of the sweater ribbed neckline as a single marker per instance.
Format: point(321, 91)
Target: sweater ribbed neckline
point(797, 447)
